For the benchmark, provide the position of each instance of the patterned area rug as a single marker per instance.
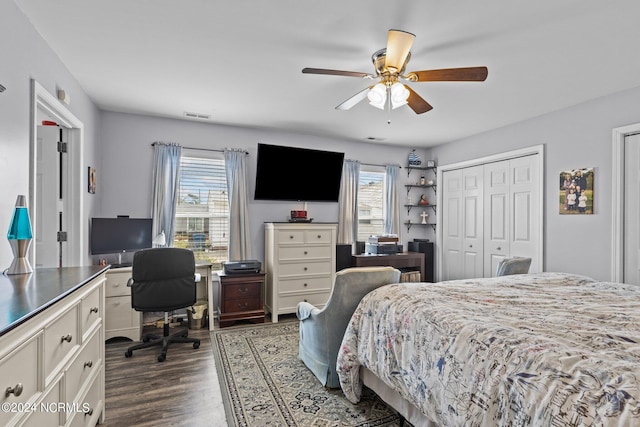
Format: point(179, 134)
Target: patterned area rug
point(264, 383)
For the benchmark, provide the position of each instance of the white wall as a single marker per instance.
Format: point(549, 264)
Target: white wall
point(26, 56)
point(575, 137)
point(126, 165)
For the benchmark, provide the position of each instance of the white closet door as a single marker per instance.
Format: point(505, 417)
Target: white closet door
point(452, 267)
point(631, 209)
point(525, 200)
point(496, 222)
point(473, 222)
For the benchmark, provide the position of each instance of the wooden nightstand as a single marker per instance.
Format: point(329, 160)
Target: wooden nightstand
point(241, 298)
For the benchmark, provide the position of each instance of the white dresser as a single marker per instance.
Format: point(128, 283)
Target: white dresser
point(120, 319)
point(300, 265)
point(52, 351)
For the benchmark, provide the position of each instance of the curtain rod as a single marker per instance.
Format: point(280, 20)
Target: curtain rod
point(382, 166)
point(201, 149)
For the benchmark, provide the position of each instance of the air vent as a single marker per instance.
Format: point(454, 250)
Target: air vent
point(198, 116)
point(2, 88)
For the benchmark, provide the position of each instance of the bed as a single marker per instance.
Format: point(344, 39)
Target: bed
point(547, 349)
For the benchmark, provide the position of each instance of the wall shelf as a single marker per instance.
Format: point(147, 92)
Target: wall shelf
point(411, 224)
point(420, 168)
point(409, 207)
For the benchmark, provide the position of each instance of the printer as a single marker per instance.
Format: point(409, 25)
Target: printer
point(242, 267)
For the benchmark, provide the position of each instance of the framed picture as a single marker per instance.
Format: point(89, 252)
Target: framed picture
point(92, 180)
point(577, 191)
point(431, 164)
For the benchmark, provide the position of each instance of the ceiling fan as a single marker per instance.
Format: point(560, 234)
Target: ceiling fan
point(390, 64)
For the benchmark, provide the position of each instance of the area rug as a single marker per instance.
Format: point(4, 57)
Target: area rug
point(264, 383)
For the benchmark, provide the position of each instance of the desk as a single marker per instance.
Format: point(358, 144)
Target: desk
point(401, 260)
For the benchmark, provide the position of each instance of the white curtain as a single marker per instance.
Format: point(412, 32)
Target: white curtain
point(239, 224)
point(166, 169)
point(348, 203)
point(392, 200)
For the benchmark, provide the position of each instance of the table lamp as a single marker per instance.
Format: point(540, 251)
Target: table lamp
point(20, 236)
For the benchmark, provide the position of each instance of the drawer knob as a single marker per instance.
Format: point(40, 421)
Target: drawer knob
point(305, 269)
point(88, 364)
point(499, 248)
point(243, 305)
point(305, 285)
point(89, 412)
point(305, 252)
point(319, 236)
point(243, 291)
point(291, 237)
point(306, 300)
point(16, 391)
point(93, 310)
point(66, 338)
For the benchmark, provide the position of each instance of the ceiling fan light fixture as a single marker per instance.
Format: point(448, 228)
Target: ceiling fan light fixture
point(398, 46)
point(378, 96)
point(399, 95)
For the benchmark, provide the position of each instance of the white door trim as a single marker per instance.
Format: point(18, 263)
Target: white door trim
point(617, 199)
point(533, 150)
point(43, 100)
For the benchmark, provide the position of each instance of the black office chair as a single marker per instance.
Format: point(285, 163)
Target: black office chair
point(163, 279)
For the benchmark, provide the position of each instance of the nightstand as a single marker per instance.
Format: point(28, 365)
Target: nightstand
point(241, 298)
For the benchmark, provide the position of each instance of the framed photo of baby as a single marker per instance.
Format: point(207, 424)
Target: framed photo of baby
point(576, 191)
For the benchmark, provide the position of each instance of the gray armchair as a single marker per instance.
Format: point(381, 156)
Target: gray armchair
point(515, 265)
point(321, 331)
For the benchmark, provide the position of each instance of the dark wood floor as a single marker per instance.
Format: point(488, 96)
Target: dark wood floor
point(182, 390)
point(140, 391)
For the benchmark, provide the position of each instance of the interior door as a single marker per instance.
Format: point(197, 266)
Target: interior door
point(525, 199)
point(49, 181)
point(473, 218)
point(496, 223)
point(631, 208)
point(452, 267)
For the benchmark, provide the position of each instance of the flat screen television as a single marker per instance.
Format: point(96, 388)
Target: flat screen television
point(121, 234)
point(297, 174)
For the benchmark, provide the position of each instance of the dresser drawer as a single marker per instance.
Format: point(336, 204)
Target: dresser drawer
point(305, 268)
point(289, 237)
point(289, 303)
point(89, 408)
point(289, 253)
point(60, 341)
point(241, 304)
point(243, 290)
point(117, 283)
point(308, 284)
point(90, 310)
point(121, 315)
point(87, 362)
point(323, 236)
point(49, 416)
point(19, 369)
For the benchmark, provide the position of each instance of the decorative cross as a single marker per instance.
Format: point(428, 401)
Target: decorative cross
point(424, 216)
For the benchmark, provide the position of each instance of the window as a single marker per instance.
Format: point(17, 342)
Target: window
point(202, 213)
point(370, 204)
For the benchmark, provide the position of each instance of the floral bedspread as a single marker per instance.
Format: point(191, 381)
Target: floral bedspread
point(548, 349)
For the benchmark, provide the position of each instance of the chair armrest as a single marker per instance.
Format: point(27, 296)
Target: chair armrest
point(305, 310)
point(130, 282)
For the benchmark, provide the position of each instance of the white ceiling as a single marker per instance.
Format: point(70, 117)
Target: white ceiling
point(240, 61)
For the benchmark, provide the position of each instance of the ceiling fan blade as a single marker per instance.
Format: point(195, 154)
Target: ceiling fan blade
point(468, 74)
point(417, 103)
point(346, 105)
point(398, 46)
point(334, 72)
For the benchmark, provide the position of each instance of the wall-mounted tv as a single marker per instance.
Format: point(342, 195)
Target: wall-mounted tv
point(298, 174)
point(121, 234)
